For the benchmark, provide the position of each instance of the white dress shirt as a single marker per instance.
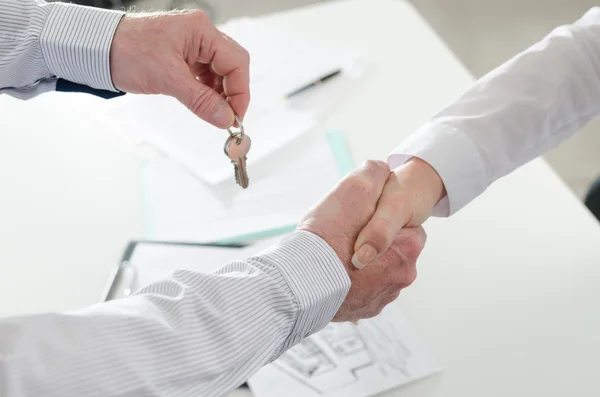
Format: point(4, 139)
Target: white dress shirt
point(512, 115)
point(192, 334)
point(41, 42)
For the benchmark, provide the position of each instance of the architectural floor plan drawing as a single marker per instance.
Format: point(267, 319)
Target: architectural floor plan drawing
point(329, 360)
point(348, 360)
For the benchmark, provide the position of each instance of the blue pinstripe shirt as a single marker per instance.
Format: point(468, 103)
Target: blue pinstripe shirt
point(191, 334)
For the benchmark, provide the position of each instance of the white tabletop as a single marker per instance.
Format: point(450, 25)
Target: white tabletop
point(69, 203)
point(507, 295)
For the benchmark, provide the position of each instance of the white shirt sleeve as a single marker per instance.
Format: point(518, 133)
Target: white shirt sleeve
point(41, 42)
point(515, 113)
point(193, 334)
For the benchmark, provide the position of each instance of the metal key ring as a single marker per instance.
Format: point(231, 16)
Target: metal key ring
point(236, 136)
point(241, 131)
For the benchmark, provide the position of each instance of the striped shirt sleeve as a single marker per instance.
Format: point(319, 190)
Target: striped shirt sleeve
point(192, 334)
point(41, 42)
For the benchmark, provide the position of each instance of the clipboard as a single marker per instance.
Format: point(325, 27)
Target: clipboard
point(116, 280)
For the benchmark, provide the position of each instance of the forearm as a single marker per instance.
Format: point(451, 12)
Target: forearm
point(192, 334)
point(517, 112)
point(43, 42)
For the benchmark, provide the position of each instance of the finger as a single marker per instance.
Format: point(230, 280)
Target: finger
point(201, 99)
point(410, 242)
point(370, 176)
point(391, 215)
point(391, 297)
point(208, 77)
point(204, 75)
point(231, 61)
point(359, 192)
point(199, 69)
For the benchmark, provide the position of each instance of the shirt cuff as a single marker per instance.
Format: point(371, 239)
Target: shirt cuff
point(455, 158)
point(316, 277)
point(76, 41)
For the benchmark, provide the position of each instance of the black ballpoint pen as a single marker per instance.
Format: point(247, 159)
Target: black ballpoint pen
point(314, 84)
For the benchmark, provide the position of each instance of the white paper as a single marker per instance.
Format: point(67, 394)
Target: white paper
point(281, 62)
point(344, 360)
point(165, 124)
point(181, 208)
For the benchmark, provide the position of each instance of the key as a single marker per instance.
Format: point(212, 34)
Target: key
point(237, 147)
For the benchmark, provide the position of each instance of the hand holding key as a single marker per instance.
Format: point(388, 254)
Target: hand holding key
point(236, 148)
point(183, 55)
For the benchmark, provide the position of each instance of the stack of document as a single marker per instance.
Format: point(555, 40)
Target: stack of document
point(189, 189)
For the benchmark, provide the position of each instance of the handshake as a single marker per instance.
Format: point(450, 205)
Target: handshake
point(372, 220)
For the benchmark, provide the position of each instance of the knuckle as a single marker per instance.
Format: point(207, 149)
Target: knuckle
point(402, 276)
point(411, 244)
point(364, 179)
point(245, 55)
point(376, 172)
point(422, 235)
point(200, 16)
point(411, 276)
point(377, 166)
point(399, 282)
point(362, 185)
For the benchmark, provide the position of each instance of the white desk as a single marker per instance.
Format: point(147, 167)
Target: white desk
point(507, 295)
point(69, 203)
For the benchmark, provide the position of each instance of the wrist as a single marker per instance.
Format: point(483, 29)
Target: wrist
point(123, 51)
point(315, 276)
point(423, 180)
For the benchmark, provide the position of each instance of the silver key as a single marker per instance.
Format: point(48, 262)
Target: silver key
point(236, 148)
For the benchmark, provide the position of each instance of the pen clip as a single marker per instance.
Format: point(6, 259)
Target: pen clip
point(117, 280)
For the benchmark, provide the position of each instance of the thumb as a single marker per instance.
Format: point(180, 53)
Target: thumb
point(390, 217)
point(202, 100)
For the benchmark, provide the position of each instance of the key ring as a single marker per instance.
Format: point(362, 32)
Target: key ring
point(240, 134)
point(229, 138)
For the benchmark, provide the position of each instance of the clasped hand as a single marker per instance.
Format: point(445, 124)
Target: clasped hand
point(338, 219)
point(372, 221)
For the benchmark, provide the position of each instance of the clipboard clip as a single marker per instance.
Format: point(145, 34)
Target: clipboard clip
point(121, 282)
